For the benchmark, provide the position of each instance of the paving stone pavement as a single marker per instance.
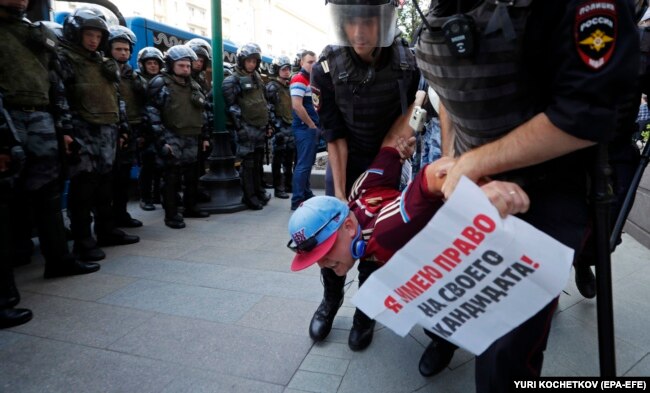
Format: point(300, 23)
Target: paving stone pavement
point(214, 308)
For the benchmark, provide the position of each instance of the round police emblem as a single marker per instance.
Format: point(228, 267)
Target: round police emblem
point(595, 32)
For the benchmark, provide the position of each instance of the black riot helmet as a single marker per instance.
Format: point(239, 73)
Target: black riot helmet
point(344, 12)
point(295, 67)
point(228, 69)
point(176, 53)
point(277, 64)
point(247, 51)
point(84, 18)
point(121, 33)
point(149, 53)
point(201, 48)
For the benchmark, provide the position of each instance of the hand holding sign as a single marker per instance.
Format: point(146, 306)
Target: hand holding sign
point(469, 275)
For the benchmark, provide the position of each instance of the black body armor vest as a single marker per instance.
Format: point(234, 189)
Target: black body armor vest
point(370, 100)
point(487, 95)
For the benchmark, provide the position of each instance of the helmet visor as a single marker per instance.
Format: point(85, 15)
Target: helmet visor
point(362, 26)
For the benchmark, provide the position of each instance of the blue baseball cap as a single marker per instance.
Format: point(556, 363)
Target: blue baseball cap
point(313, 228)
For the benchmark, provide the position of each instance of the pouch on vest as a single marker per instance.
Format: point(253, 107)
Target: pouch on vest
point(486, 95)
point(246, 83)
point(198, 99)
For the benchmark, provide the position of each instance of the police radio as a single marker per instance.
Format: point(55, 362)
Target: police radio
point(460, 34)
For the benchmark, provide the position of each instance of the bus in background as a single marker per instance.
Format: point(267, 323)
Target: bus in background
point(162, 36)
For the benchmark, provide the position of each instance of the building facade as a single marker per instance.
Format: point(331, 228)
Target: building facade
point(280, 27)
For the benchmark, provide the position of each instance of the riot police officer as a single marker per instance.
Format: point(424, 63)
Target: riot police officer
point(200, 75)
point(150, 64)
point(277, 93)
point(132, 90)
point(243, 93)
point(363, 83)
point(176, 116)
point(35, 102)
point(547, 98)
point(203, 52)
point(92, 89)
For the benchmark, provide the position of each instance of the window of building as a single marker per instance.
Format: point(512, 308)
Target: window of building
point(192, 30)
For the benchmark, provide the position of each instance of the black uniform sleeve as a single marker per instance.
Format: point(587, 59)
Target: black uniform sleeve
point(583, 100)
point(156, 97)
point(208, 111)
point(272, 94)
point(231, 90)
point(59, 102)
point(157, 92)
point(414, 86)
point(331, 120)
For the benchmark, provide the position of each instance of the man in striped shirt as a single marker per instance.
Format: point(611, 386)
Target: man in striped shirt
point(378, 219)
point(305, 130)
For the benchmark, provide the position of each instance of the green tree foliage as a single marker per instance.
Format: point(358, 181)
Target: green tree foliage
point(408, 18)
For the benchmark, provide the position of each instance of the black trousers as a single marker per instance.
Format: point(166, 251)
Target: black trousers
point(150, 176)
point(173, 177)
point(90, 196)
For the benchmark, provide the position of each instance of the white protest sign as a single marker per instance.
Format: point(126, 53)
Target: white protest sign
point(469, 276)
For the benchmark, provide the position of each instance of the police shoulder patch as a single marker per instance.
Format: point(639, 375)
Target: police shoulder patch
point(595, 32)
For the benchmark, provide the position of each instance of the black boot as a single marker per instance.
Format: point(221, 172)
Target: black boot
point(195, 212)
point(120, 188)
point(10, 317)
point(9, 296)
point(147, 172)
point(69, 267)
point(362, 326)
point(288, 169)
point(436, 356)
point(175, 221)
point(250, 198)
point(362, 331)
point(321, 322)
point(585, 280)
point(276, 171)
point(260, 185)
point(190, 195)
point(87, 250)
point(279, 193)
point(147, 205)
point(115, 237)
point(51, 231)
point(126, 221)
point(277, 182)
point(107, 234)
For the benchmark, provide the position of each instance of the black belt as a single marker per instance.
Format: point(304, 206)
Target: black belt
point(28, 108)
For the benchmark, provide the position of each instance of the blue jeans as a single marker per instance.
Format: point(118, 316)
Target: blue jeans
point(306, 140)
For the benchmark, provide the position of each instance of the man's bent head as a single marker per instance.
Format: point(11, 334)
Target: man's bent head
point(315, 229)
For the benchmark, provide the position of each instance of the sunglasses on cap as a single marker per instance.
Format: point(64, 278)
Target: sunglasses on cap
point(310, 243)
